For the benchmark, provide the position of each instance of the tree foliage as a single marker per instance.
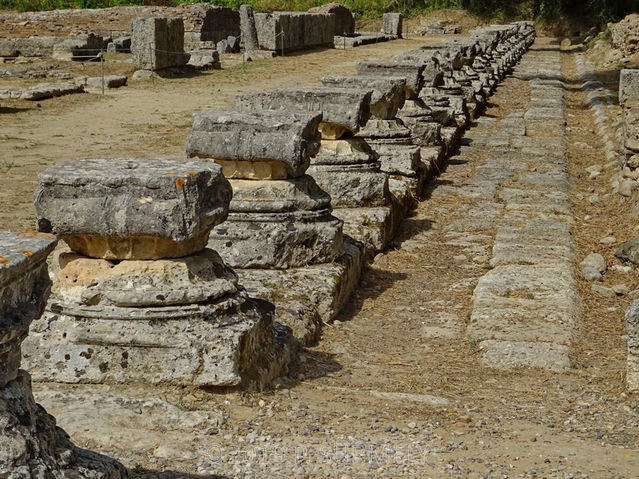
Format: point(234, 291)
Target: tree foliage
point(599, 10)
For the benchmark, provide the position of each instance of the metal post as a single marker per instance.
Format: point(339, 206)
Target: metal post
point(102, 68)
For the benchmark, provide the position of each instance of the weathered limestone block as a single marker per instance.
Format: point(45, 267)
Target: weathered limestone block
point(632, 331)
point(344, 19)
point(349, 170)
point(425, 126)
point(382, 129)
point(132, 208)
point(35, 46)
point(306, 298)
point(392, 24)
point(431, 72)
point(399, 159)
point(158, 43)
point(343, 110)
point(388, 92)
point(631, 126)
point(30, 443)
point(411, 72)
point(204, 59)
point(358, 185)
point(24, 285)
point(179, 321)
point(259, 144)
point(278, 224)
point(247, 27)
point(288, 31)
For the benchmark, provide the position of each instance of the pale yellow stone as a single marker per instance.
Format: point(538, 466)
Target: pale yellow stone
point(135, 247)
point(254, 170)
point(331, 131)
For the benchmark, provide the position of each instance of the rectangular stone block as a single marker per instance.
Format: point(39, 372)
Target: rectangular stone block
point(256, 144)
point(158, 43)
point(628, 86)
point(290, 31)
point(388, 92)
point(342, 109)
point(411, 72)
point(132, 208)
point(392, 24)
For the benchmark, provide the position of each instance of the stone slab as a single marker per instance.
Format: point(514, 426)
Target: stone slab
point(306, 298)
point(411, 72)
point(259, 144)
point(342, 109)
point(388, 93)
point(132, 208)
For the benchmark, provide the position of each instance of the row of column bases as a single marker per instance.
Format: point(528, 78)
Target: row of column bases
point(306, 184)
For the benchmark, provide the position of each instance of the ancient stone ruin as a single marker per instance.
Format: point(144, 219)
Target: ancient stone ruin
point(289, 31)
point(280, 225)
point(138, 296)
point(31, 445)
point(157, 43)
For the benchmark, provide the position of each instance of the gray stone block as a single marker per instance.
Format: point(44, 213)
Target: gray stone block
point(157, 43)
point(24, 284)
point(132, 208)
point(411, 72)
point(223, 47)
point(432, 74)
point(392, 24)
point(278, 224)
point(259, 144)
point(110, 81)
point(182, 322)
point(233, 43)
point(204, 59)
point(343, 110)
point(247, 26)
point(632, 331)
point(388, 92)
point(290, 31)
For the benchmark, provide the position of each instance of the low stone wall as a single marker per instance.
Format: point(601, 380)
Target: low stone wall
point(289, 31)
point(63, 48)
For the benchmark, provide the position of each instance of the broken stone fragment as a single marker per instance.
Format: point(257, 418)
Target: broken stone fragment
point(386, 129)
point(278, 224)
point(343, 110)
point(260, 144)
point(132, 208)
point(411, 72)
point(347, 151)
point(629, 251)
point(388, 92)
point(432, 74)
point(24, 284)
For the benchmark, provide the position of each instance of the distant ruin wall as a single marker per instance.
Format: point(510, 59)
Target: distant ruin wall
point(294, 30)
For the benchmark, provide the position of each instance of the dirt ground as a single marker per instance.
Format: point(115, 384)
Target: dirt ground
point(380, 374)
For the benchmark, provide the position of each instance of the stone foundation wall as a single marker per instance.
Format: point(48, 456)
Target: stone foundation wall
point(294, 30)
